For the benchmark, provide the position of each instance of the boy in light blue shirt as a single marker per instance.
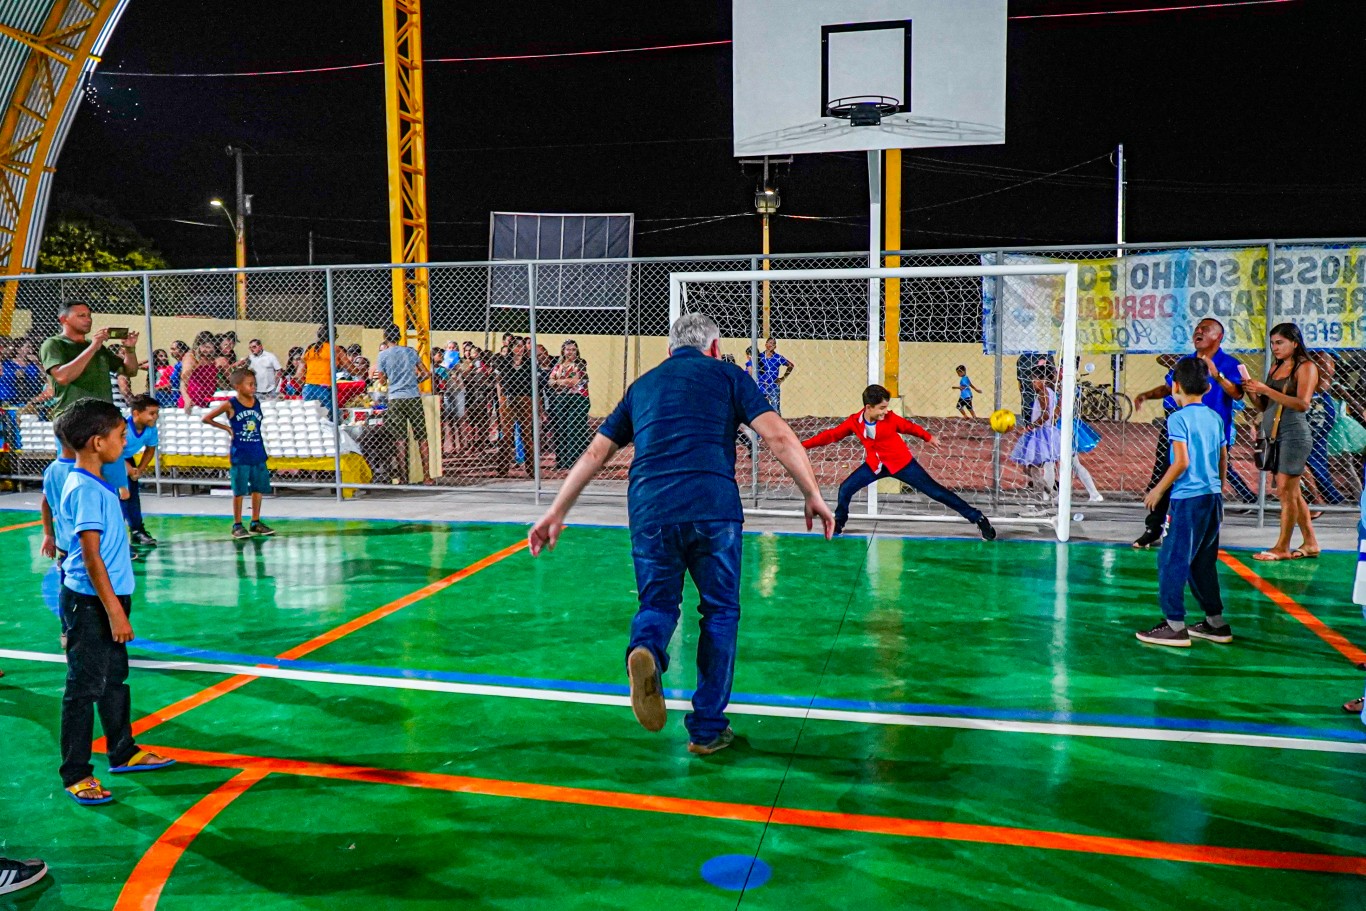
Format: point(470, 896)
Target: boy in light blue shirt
point(1199, 461)
point(56, 533)
point(96, 599)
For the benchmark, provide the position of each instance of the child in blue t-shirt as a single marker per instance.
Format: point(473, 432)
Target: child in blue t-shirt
point(965, 391)
point(247, 455)
point(56, 534)
point(123, 473)
point(1199, 461)
point(96, 600)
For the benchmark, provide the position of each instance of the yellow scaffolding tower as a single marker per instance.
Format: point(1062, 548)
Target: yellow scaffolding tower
point(58, 56)
point(407, 134)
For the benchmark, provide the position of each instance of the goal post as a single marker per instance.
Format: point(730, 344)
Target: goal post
point(725, 295)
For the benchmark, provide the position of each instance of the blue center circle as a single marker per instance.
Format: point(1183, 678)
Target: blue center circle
point(735, 872)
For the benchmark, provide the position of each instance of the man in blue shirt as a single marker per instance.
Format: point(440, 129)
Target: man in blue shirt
point(766, 373)
point(1194, 483)
point(685, 514)
point(1225, 388)
point(402, 369)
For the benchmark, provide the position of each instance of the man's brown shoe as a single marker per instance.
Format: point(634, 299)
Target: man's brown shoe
point(647, 694)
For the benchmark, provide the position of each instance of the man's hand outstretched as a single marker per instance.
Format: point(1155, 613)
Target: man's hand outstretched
point(545, 534)
point(816, 506)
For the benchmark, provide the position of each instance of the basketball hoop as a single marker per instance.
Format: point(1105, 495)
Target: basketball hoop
point(863, 110)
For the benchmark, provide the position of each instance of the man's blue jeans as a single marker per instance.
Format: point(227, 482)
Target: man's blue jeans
point(710, 553)
point(1190, 555)
point(913, 475)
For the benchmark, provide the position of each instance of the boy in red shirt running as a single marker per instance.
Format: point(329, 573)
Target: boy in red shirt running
point(879, 430)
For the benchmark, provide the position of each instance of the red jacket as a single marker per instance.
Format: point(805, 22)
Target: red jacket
point(885, 448)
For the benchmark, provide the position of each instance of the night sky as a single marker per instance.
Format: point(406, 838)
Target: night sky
point(1237, 123)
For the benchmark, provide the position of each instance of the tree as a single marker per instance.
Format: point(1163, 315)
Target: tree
point(85, 234)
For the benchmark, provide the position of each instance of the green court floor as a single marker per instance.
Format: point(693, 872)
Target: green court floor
point(420, 715)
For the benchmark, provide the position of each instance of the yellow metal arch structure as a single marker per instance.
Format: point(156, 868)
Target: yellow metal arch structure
point(33, 125)
point(406, 114)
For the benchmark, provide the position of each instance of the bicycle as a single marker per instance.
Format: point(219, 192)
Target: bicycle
point(1100, 402)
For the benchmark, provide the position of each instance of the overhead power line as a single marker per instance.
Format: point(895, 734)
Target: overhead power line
point(604, 52)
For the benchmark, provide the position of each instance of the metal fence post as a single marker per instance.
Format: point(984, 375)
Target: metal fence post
point(151, 363)
point(750, 435)
point(998, 338)
point(1266, 333)
point(531, 285)
point(332, 376)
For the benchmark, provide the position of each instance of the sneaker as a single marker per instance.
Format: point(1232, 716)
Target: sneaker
point(1203, 630)
point(239, 532)
point(140, 538)
point(1163, 634)
point(721, 741)
point(988, 532)
point(839, 528)
point(261, 528)
point(647, 693)
point(19, 874)
point(1148, 539)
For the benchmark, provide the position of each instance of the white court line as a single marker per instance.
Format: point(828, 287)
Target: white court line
point(1051, 729)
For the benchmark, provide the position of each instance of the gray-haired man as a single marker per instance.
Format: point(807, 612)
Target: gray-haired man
point(685, 514)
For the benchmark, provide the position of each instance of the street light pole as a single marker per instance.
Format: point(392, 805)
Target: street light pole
point(240, 229)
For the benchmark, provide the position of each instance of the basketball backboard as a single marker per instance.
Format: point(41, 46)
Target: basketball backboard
point(853, 75)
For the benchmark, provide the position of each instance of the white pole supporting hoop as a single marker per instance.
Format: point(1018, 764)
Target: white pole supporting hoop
point(874, 286)
point(1069, 403)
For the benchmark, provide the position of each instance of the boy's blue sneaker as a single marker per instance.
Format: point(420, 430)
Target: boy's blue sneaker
point(261, 528)
point(1163, 634)
point(239, 532)
point(140, 538)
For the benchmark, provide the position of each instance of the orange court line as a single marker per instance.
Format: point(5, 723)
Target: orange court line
point(142, 891)
point(222, 688)
point(19, 526)
point(815, 819)
point(1294, 609)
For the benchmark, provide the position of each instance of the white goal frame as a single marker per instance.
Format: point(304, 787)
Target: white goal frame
point(1063, 522)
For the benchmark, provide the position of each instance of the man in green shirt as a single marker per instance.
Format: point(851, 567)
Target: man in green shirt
point(78, 363)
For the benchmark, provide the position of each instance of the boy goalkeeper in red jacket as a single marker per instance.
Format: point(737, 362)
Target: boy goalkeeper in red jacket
point(888, 456)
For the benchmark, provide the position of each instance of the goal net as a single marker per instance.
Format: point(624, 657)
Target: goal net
point(813, 339)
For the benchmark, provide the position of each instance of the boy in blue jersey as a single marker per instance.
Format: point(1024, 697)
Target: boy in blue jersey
point(965, 390)
point(1199, 460)
point(56, 534)
point(247, 455)
point(124, 472)
point(96, 600)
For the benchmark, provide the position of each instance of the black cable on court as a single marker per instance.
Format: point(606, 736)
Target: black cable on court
point(801, 730)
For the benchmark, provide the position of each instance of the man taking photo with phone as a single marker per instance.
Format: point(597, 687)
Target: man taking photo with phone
point(77, 361)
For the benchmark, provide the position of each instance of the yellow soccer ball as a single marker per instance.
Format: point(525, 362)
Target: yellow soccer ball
point(1003, 421)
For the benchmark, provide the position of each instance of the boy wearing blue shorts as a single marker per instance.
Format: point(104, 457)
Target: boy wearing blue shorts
point(247, 455)
point(96, 599)
point(1199, 461)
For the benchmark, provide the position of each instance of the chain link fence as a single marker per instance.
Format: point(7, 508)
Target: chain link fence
point(523, 361)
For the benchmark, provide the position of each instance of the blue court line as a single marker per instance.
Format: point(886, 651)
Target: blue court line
point(852, 705)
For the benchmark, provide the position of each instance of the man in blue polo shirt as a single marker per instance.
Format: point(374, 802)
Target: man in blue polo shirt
point(1226, 387)
point(685, 514)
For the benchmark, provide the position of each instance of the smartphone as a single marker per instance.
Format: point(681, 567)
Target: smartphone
point(118, 333)
point(1243, 372)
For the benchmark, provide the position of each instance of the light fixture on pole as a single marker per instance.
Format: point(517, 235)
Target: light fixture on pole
point(240, 238)
point(766, 202)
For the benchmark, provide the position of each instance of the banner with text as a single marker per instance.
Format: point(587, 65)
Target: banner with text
point(1148, 303)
